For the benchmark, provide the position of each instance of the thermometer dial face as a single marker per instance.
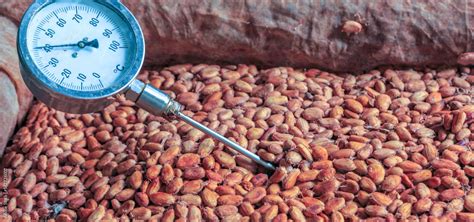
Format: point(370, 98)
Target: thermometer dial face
point(82, 46)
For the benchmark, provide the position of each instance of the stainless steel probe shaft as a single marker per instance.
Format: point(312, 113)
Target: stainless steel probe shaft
point(157, 102)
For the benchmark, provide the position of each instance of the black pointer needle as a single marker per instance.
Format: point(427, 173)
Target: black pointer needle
point(81, 44)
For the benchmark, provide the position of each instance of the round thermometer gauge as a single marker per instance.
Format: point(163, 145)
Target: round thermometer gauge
point(76, 54)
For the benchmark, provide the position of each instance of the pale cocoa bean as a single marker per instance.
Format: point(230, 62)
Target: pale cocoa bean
point(376, 172)
point(376, 211)
point(125, 165)
point(276, 100)
point(313, 113)
point(190, 199)
point(344, 164)
point(69, 181)
point(74, 136)
point(226, 210)
point(192, 187)
point(255, 195)
point(293, 157)
point(206, 147)
point(23, 168)
point(135, 180)
point(140, 213)
point(450, 194)
point(126, 207)
point(100, 192)
point(99, 183)
point(469, 202)
point(404, 211)
point(380, 199)
point(188, 160)
point(162, 199)
point(29, 182)
point(125, 194)
point(230, 200)
point(97, 214)
point(224, 159)
point(25, 202)
point(38, 189)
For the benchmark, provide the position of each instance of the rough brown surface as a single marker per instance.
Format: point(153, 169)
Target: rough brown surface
point(15, 98)
point(9, 108)
point(301, 33)
point(384, 146)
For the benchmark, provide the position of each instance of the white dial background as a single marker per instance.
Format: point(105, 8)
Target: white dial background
point(91, 68)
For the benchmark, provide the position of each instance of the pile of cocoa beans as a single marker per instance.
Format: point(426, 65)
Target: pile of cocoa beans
point(390, 145)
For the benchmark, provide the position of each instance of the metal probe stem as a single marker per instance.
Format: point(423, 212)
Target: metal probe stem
point(157, 102)
point(224, 140)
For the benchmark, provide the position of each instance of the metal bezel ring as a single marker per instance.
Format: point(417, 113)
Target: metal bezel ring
point(57, 91)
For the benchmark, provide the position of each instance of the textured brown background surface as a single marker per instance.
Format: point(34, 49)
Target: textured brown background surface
point(303, 33)
point(9, 108)
point(307, 33)
point(15, 98)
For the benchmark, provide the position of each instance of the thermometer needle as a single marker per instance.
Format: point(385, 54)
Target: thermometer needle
point(157, 102)
point(81, 44)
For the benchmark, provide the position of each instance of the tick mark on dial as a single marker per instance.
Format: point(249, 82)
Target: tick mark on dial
point(81, 86)
point(101, 83)
point(41, 29)
point(55, 15)
point(61, 81)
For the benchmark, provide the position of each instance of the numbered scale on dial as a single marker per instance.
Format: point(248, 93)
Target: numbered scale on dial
point(82, 47)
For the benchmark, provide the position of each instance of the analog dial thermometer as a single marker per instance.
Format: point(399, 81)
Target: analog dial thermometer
point(76, 55)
